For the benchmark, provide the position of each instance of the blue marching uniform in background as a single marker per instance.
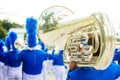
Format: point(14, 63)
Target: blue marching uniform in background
point(12, 54)
point(14, 67)
point(1, 61)
point(58, 65)
point(7, 45)
point(32, 57)
point(44, 48)
point(117, 55)
point(58, 58)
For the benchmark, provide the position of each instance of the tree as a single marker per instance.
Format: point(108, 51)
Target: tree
point(5, 25)
point(3, 33)
point(49, 21)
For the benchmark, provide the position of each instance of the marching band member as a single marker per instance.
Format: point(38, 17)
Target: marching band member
point(117, 55)
point(1, 61)
point(50, 69)
point(14, 67)
point(112, 72)
point(89, 73)
point(116, 58)
point(32, 57)
point(5, 70)
point(58, 65)
point(43, 47)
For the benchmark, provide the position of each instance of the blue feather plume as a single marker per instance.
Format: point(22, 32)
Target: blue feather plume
point(7, 43)
point(12, 38)
point(31, 28)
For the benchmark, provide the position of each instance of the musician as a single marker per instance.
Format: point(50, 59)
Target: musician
point(7, 46)
point(58, 65)
point(117, 55)
point(89, 73)
point(44, 48)
point(32, 57)
point(112, 72)
point(1, 61)
point(14, 67)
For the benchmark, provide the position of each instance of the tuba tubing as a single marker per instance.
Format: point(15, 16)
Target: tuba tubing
point(97, 52)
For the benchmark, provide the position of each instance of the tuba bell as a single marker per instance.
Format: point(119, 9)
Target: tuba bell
point(90, 41)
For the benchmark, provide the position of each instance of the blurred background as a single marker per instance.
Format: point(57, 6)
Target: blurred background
point(13, 13)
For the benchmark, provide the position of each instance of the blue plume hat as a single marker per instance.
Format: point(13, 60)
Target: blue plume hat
point(7, 43)
point(12, 38)
point(1, 45)
point(31, 28)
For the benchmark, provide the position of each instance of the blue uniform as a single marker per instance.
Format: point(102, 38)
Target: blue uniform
point(1, 49)
point(117, 55)
point(111, 73)
point(2, 57)
point(11, 57)
point(33, 61)
point(58, 59)
point(32, 58)
point(1, 61)
point(58, 66)
point(14, 67)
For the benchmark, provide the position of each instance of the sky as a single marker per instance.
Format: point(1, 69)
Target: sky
point(19, 10)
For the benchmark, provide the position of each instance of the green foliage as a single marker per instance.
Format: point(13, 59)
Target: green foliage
point(50, 22)
point(118, 39)
point(5, 25)
point(3, 33)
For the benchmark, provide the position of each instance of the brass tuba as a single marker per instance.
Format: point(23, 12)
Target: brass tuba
point(90, 41)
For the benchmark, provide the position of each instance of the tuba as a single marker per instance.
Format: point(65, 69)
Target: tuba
point(90, 41)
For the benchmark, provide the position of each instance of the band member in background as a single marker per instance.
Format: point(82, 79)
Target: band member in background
point(14, 67)
point(32, 57)
point(7, 45)
point(44, 48)
point(58, 65)
point(112, 72)
point(50, 68)
point(117, 55)
point(1, 61)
